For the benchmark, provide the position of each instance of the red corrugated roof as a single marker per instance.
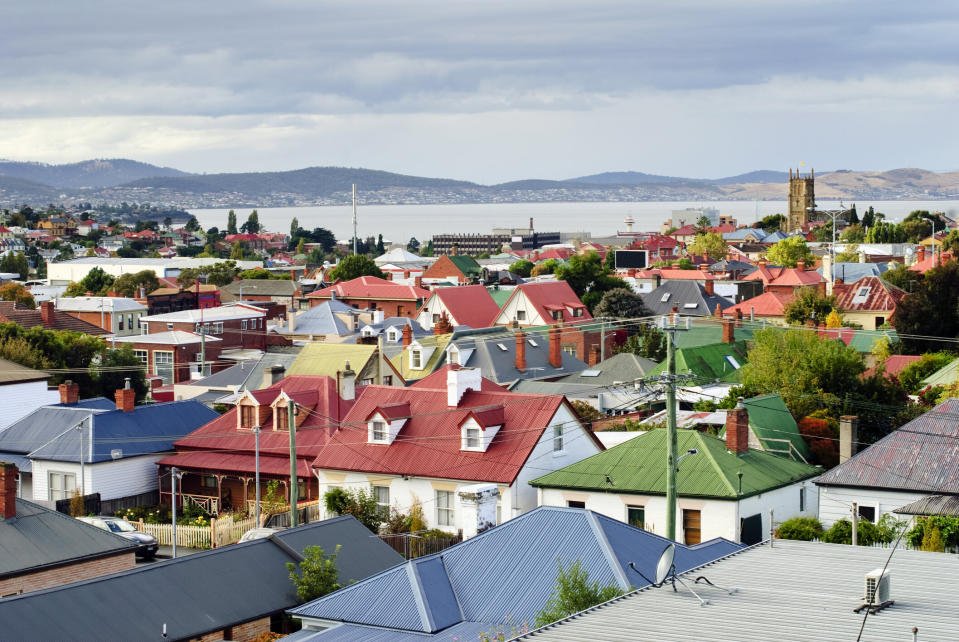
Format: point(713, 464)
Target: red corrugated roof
point(469, 305)
point(895, 364)
point(371, 287)
point(686, 275)
point(428, 445)
point(437, 381)
point(240, 463)
point(223, 436)
point(881, 296)
point(544, 293)
point(391, 411)
point(768, 304)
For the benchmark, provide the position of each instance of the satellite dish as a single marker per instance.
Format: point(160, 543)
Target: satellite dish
point(665, 563)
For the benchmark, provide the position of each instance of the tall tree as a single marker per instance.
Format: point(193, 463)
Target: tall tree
point(932, 310)
point(588, 278)
point(413, 246)
point(380, 248)
point(809, 305)
point(621, 303)
point(192, 225)
point(789, 251)
point(354, 266)
point(709, 244)
point(252, 225)
point(17, 293)
point(294, 228)
point(231, 222)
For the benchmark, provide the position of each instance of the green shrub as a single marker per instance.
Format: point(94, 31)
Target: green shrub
point(867, 534)
point(948, 530)
point(804, 529)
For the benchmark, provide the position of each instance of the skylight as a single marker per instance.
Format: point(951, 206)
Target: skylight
point(732, 361)
point(502, 347)
point(665, 297)
point(590, 373)
point(533, 343)
point(691, 306)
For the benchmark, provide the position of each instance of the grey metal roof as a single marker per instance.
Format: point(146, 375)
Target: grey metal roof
point(852, 272)
point(553, 388)
point(11, 372)
point(191, 595)
point(39, 538)
point(247, 373)
point(947, 505)
point(620, 368)
point(320, 319)
point(681, 295)
point(922, 455)
point(495, 355)
point(46, 432)
point(793, 591)
point(260, 287)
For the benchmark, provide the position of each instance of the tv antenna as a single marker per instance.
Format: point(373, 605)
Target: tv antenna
point(666, 572)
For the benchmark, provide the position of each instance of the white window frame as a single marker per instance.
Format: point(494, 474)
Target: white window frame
point(559, 439)
point(445, 508)
point(379, 431)
point(472, 438)
point(143, 356)
point(521, 315)
point(64, 491)
point(416, 359)
point(243, 324)
point(382, 495)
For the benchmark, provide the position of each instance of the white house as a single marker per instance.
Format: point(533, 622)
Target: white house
point(725, 489)
point(22, 390)
point(448, 442)
point(918, 459)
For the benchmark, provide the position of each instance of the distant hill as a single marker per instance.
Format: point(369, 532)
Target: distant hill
point(309, 182)
point(108, 172)
point(628, 178)
point(759, 176)
point(25, 189)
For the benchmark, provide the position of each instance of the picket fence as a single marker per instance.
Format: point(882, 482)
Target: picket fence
point(220, 532)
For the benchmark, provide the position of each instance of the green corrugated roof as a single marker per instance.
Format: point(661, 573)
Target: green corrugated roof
point(639, 466)
point(864, 341)
point(466, 264)
point(499, 295)
point(328, 358)
point(771, 420)
point(704, 333)
point(401, 360)
point(944, 376)
point(708, 361)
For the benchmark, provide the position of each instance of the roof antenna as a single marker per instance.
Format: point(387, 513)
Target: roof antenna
point(666, 571)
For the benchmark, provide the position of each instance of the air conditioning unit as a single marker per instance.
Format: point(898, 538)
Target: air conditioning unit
point(877, 587)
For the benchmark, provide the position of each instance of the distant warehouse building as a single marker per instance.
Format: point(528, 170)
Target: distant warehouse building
point(493, 243)
point(64, 272)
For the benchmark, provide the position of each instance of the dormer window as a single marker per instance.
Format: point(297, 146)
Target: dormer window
point(416, 359)
point(378, 429)
point(247, 416)
point(557, 315)
point(471, 438)
point(392, 335)
point(453, 355)
point(281, 417)
point(385, 422)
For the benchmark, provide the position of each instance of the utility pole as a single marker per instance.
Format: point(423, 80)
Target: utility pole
point(602, 339)
point(670, 327)
point(256, 482)
point(82, 474)
point(380, 365)
point(354, 218)
point(855, 524)
point(174, 475)
point(202, 335)
point(294, 489)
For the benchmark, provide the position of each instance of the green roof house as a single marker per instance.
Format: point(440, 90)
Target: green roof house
point(457, 269)
point(772, 428)
point(711, 362)
point(725, 489)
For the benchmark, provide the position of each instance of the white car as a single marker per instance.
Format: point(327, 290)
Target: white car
point(146, 544)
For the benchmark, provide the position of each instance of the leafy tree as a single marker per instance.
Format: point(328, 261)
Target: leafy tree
point(588, 278)
point(883, 232)
point(834, 319)
point(709, 244)
point(359, 502)
point(294, 228)
point(853, 234)
point(129, 253)
point(129, 284)
point(17, 293)
point(522, 268)
point(252, 225)
point(222, 273)
point(574, 593)
point(318, 575)
point(413, 245)
point(648, 342)
point(912, 375)
point(621, 303)
point(703, 223)
point(355, 266)
point(609, 263)
point(931, 310)
point(300, 247)
point(869, 218)
point(546, 267)
point(239, 251)
point(115, 367)
point(822, 435)
point(771, 223)
point(96, 281)
point(261, 274)
point(921, 532)
point(586, 411)
point(380, 248)
point(789, 251)
point(231, 222)
point(15, 264)
point(802, 367)
point(428, 250)
point(685, 264)
point(809, 304)
point(192, 225)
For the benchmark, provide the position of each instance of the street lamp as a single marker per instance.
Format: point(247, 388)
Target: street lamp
point(833, 214)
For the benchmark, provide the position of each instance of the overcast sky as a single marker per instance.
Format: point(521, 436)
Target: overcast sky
point(483, 90)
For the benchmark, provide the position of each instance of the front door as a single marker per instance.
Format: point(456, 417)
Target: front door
point(691, 529)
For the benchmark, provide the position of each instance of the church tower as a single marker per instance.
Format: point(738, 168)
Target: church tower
point(802, 199)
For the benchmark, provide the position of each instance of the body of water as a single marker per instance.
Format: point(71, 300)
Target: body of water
point(397, 223)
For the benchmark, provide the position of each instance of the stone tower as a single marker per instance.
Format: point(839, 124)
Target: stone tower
point(802, 199)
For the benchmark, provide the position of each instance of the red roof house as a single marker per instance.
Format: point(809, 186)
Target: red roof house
point(47, 317)
point(449, 438)
point(768, 305)
point(219, 458)
point(542, 303)
point(787, 280)
point(469, 305)
point(370, 292)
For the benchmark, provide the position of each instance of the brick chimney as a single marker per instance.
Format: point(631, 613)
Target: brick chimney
point(729, 331)
point(443, 326)
point(418, 281)
point(69, 392)
point(520, 351)
point(126, 397)
point(555, 353)
point(272, 374)
point(46, 312)
point(593, 357)
point(848, 436)
point(407, 335)
point(710, 287)
point(718, 312)
point(737, 429)
point(8, 490)
point(704, 267)
point(920, 253)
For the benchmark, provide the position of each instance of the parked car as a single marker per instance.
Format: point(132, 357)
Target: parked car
point(258, 533)
point(146, 544)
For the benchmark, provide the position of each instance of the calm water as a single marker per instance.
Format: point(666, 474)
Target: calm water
point(398, 223)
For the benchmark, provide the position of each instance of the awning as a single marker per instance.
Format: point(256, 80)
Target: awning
point(236, 463)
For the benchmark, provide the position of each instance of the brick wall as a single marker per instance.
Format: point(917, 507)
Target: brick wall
point(66, 574)
point(240, 633)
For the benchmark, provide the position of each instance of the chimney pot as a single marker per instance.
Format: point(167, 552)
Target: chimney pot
point(407, 335)
point(710, 287)
point(593, 357)
point(69, 392)
point(729, 331)
point(8, 490)
point(46, 312)
point(737, 429)
point(521, 351)
point(459, 381)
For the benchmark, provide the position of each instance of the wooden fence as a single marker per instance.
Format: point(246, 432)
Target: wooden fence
point(219, 532)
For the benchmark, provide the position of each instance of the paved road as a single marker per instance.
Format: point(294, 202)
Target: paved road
point(166, 552)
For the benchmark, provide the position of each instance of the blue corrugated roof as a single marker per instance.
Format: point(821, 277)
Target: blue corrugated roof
point(46, 432)
point(506, 572)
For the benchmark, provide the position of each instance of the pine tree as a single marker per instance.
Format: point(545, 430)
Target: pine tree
point(231, 222)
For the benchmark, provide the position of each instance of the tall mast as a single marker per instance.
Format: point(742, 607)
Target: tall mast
point(354, 218)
